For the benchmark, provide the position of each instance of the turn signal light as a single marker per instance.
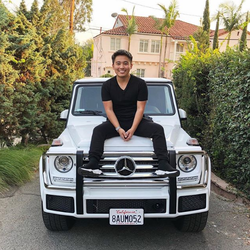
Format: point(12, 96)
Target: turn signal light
point(192, 142)
point(57, 142)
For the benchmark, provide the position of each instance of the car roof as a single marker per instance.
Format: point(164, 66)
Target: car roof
point(103, 79)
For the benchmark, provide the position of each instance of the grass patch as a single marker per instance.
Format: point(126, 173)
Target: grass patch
point(18, 165)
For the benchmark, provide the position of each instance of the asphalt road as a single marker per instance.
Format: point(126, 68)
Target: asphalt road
point(21, 227)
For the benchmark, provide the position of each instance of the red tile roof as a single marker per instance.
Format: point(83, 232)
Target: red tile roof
point(222, 32)
point(146, 25)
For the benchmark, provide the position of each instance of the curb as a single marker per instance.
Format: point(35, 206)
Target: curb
point(227, 191)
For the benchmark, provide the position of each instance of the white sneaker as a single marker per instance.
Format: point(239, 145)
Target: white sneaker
point(171, 173)
point(87, 172)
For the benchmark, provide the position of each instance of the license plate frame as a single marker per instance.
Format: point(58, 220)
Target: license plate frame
point(126, 216)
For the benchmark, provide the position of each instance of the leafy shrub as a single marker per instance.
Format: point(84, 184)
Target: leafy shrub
point(214, 90)
point(191, 83)
point(229, 89)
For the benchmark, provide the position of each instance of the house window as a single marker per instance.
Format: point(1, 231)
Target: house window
point(140, 72)
point(155, 46)
point(179, 48)
point(143, 46)
point(115, 43)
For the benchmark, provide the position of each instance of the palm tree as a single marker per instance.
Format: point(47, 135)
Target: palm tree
point(131, 27)
point(170, 16)
point(159, 25)
point(231, 17)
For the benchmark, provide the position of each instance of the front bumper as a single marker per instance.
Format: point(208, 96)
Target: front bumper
point(92, 198)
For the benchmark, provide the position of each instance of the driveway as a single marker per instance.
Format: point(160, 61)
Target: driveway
point(21, 227)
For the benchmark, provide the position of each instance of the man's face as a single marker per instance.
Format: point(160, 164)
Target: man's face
point(122, 66)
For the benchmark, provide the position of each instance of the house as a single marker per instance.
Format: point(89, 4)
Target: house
point(145, 46)
point(234, 39)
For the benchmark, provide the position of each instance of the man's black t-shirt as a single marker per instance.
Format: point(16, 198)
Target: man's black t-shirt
point(125, 101)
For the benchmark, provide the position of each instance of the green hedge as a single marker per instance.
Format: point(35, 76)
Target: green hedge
point(214, 90)
point(230, 119)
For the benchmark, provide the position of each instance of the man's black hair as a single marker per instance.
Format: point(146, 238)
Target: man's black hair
point(122, 52)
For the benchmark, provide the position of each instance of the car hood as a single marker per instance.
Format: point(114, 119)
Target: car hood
point(81, 137)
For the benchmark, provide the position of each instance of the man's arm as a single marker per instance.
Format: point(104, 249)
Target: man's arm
point(108, 106)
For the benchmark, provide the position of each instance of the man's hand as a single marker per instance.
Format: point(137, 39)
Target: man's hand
point(126, 136)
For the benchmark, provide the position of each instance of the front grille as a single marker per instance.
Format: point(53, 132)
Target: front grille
point(103, 206)
point(192, 202)
point(60, 203)
point(144, 165)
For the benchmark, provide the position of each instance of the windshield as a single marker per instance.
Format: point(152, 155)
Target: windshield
point(88, 101)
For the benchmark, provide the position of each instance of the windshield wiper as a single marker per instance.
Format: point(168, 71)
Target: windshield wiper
point(91, 112)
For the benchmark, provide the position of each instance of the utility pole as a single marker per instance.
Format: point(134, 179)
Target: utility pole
point(71, 19)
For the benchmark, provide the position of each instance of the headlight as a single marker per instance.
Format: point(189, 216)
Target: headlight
point(63, 163)
point(187, 163)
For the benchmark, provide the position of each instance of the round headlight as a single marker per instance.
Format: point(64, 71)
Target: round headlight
point(63, 163)
point(187, 163)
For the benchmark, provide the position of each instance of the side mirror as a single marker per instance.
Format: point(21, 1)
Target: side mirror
point(183, 114)
point(64, 115)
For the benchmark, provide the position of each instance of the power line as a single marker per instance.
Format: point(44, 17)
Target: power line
point(150, 7)
point(142, 5)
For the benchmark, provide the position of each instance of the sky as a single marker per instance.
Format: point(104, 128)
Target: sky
point(191, 11)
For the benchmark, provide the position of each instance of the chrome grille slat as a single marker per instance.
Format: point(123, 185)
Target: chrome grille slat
point(145, 162)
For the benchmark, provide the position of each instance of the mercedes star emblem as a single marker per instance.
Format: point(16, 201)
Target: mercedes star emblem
point(125, 166)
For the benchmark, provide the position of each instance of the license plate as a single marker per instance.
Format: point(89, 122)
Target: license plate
point(120, 216)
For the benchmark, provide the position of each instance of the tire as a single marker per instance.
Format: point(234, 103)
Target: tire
point(55, 222)
point(192, 223)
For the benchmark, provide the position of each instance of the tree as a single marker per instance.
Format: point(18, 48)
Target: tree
point(158, 25)
point(8, 75)
point(131, 27)
point(28, 61)
point(53, 17)
point(34, 13)
point(216, 33)
point(39, 61)
point(206, 24)
point(202, 35)
point(231, 17)
point(77, 12)
point(170, 16)
point(23, 8)
point(243, 39)
point(88, 49)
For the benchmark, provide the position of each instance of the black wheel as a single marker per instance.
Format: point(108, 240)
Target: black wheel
point(55, 222)
point(192, 223)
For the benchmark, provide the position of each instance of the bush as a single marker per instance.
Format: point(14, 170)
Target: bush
point(18, 165)
point(230, 119)
point(214, 90)
point(191, 84)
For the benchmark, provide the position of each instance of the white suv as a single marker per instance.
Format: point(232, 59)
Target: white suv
point(128, 192)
